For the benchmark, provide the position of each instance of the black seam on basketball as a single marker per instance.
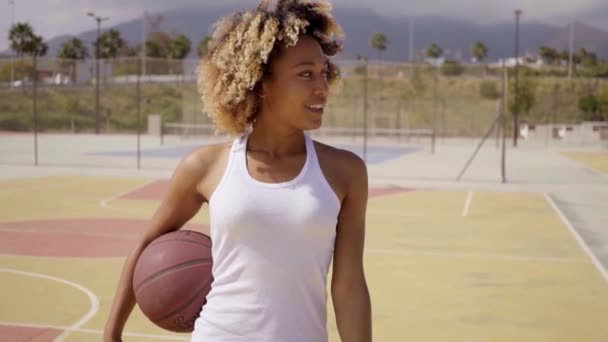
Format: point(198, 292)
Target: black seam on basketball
point(170, 270)
point(183, 240)
point(188, 302)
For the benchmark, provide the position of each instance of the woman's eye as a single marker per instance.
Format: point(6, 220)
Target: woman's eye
point(308, 74)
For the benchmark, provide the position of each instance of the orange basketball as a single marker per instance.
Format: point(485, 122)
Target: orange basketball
point(172, 278)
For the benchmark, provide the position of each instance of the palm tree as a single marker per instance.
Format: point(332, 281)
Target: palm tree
point(73, 49)
point(179, 47)
point(479, 51)
point(154, 50)
point(70, 51)
point(587, 58)
point(25, 42)
point(203, 46)
point(157, 44)
point(20, 36)
point(110, 44)
point(37, 47)
point(434, 51)
point(380, 43)
point(549, 55)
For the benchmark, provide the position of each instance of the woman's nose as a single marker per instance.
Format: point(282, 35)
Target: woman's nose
point(321, 88)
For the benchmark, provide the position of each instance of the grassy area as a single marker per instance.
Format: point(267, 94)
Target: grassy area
point(73, 108)
point(398, 97)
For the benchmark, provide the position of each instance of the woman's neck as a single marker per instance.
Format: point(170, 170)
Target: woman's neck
point(275, 140)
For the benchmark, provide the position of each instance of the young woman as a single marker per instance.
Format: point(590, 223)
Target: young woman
point(281, 205)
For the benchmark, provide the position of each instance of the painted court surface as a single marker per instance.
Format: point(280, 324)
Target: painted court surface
point(442, 265)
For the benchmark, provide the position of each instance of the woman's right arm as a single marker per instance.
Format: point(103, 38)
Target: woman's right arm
point(182, 201)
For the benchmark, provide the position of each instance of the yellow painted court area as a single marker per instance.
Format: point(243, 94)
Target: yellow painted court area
point(595, 160)
point(441, 266)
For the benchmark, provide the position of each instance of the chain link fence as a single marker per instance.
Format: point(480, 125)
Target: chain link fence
point(54, 111)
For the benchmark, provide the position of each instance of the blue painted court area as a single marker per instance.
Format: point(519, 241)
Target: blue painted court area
point(375, 154)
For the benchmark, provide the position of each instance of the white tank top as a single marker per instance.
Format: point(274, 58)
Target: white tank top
point(272, 247)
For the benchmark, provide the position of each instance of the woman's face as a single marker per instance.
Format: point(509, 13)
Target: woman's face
point(295, 92)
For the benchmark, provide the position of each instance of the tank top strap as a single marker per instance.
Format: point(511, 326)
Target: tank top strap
point(311, 154)
point(239, 143)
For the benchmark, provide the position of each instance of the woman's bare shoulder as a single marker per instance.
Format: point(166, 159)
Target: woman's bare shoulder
point(343, 161)
point(203, 162)
point(342, 168)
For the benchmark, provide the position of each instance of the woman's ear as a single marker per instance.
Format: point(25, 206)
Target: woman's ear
point(263, 90)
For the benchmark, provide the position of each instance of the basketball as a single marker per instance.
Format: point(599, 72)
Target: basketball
point(172, 278)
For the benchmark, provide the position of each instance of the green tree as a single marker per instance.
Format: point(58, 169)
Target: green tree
point(548, 54)
point(203, 46)
point(110, 44)
point(20, 36)
point(603, 99)
point(434, 51)
point(587, 58)
point(37, 47)
point(179, 47)
point(73, 49)
point(24, 41)
point(479, 51)
point(591, 107)
point(157, 44)
point(380, 43)
point(155, 50)
point(527, 96)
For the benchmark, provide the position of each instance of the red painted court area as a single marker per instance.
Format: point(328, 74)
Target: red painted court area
point(82, 238)
point(10, 333)
point(95, 237)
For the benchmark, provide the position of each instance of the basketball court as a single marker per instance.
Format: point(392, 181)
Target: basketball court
point(470, 261)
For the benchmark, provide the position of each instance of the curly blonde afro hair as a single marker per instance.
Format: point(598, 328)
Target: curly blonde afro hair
point(243, 44)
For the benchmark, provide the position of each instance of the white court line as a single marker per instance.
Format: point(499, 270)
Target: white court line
point(472, 255)
point(467, 204)
point(105, 203)
point(578, 237)
point(91, 331)
point(93, 300)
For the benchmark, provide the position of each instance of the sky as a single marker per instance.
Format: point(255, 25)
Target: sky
point(54, 17)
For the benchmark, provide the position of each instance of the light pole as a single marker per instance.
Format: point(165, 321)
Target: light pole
point(143, 41)
point(97, 44)
point(516, 98)
point(571, 47)
point(12, 4)
point(412, 39)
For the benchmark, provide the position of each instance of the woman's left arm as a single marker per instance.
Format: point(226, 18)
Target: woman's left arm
point(350, 294)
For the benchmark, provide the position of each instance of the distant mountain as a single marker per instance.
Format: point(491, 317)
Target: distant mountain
point(586, 36)
point(455, 36)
